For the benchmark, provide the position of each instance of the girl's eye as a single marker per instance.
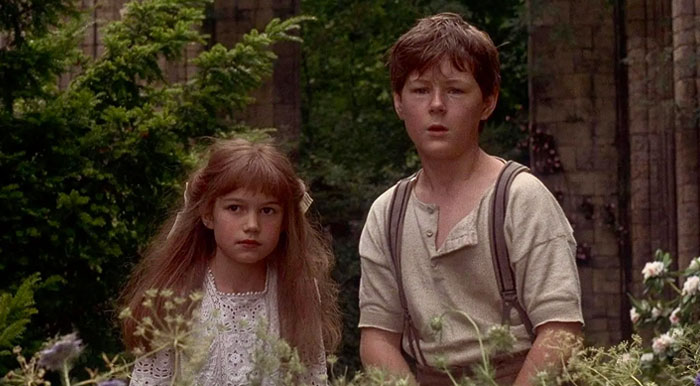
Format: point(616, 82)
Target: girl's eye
point(456, 91)
point(267, 210)
point(233, 208)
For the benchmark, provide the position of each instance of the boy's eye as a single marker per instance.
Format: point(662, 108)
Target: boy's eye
point(454, 90)
point(420, 90)
point(233, 208)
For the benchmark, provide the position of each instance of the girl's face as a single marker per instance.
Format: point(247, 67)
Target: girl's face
point(246, 225)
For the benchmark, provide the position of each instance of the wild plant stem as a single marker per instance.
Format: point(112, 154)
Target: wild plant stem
point(481, 343)
point(607, 381)
point(636, 380)
point(64, 372)
point(176, 368)
point(675, 288)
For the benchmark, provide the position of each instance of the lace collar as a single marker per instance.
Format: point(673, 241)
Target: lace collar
point(211, 284)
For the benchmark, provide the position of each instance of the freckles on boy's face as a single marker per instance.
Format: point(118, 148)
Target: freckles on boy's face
point(441, 109)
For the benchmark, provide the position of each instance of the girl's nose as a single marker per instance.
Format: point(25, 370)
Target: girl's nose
point(437, 103)
point(252, 223)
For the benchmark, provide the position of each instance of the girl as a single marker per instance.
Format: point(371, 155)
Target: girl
point(242, 239)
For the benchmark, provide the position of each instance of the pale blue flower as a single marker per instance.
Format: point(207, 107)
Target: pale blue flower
point(62, 351)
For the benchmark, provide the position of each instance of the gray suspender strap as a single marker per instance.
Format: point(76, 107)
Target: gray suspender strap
point(499, 249)
point(397, 212)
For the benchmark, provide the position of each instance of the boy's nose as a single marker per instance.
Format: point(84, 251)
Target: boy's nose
point(437, 103)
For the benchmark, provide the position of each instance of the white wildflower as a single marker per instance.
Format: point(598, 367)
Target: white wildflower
point(655, 312)
point(674, 318)
point(676, 333)
point(694, 264)
point(662, 343)
point(624, 358)
point(653, 269)
point(634, 315)
point(691, 285)
point(647, 357)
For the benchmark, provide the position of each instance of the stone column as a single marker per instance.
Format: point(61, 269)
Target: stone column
point(573, 113)
point(686, 43)
point(651, 128)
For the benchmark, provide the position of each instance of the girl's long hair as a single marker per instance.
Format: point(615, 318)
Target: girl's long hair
point(178, 258)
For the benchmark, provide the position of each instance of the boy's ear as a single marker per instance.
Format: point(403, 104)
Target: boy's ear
point(489, 105)
point(398, 104)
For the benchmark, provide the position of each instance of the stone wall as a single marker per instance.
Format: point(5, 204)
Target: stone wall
point(573, 103)
point(686, 92)
point(625, 125)
point(277, 102)
point(652, 151)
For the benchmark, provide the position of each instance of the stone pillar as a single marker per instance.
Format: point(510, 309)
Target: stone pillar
point(686, 46)
point(573, 113)
point(651, 128)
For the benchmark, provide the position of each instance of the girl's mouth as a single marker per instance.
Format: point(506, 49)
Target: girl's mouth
point(249, 243)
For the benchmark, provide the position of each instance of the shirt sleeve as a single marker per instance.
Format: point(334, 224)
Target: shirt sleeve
point(542, 251)
point(380, 306)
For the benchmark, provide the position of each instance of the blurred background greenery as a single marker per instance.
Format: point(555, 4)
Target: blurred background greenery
point(90, 170)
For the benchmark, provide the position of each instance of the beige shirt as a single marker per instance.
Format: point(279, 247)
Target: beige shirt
point(460, 275)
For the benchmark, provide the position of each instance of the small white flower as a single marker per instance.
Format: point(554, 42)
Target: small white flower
point(647, 357)
point(653, 269)
point(655, 312)
point(624, 358)
point(674, 318)
point(676, 333)
point(634, 315)
point(662, 343)
point(695, 264)
point(691, 285)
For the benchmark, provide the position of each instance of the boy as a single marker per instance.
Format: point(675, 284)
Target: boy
point(445, 82)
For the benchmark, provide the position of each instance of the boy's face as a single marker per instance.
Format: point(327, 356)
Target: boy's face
point(441, 109)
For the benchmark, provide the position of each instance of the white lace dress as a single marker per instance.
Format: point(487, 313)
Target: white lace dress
point(230, 357)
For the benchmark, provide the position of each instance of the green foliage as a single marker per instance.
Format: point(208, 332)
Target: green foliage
point(672, 357)
point(16, 312)
point(32, 50)
point(89, 170)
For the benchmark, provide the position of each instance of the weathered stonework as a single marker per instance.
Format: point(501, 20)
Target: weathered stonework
point(579, 98)
point(573, 99)
point(277, 102)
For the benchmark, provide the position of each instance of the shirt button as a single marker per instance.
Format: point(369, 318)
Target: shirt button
point(433, 264)
point(429, 233)
point(431, 210)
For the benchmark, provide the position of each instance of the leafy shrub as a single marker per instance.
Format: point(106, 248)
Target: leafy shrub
point(15, 313)
point(87, 171)
point(672, 316)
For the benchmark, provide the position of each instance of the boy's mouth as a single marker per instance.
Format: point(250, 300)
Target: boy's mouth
point(437, 128)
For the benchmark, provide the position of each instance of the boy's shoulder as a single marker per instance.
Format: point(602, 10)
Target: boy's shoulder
point(527, 186)
point(381, 205)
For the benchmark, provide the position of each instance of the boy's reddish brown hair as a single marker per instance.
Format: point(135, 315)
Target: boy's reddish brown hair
point(445, 35)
